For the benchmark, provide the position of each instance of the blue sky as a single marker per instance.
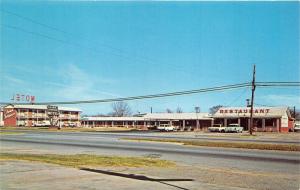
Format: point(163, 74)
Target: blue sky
point(98, 50)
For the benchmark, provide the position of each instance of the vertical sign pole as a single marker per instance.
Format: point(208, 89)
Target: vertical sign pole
point(252, 102)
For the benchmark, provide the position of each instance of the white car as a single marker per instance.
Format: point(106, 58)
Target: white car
point(42, 124)
point(297, 127)
point(234, 128)
point(217, 128)
point(166, 127)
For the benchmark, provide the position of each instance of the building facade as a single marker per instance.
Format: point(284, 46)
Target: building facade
point(37, 115)
point(1, 117)
point(182, 121)
point(265, 119)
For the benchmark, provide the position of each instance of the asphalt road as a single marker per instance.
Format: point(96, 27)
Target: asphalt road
point(170, 135)
point(198, 168)
point(111, 144)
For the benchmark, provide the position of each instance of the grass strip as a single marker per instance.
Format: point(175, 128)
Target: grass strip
point(223, 144)
point(80, 160)
point(69, 129)
point(10, 133)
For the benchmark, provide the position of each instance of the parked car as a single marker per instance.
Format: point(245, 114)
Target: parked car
point(217, 128)
point(42, 124)
point(166, 127)
point(72, 124)
point(234, 128)
point(297, 127)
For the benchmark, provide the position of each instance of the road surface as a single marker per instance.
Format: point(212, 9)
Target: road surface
point(272, 163)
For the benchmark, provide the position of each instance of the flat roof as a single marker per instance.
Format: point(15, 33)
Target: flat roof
point(177, 116)
point(42, 107)
point(104, 118)
point(154, 116)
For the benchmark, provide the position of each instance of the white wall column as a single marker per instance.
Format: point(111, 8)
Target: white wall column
point(249, 124)
point(277, 124)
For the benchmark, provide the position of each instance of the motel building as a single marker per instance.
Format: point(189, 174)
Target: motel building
point(37, 115)
point(265, 119)
point(182, 121)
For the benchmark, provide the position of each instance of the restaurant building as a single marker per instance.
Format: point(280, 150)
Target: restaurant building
point(37, 115)
point(266, 119)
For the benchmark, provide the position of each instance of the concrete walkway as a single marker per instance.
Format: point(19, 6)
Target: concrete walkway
point(37, 176)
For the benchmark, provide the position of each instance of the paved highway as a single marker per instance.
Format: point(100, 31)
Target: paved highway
point(111, 144)
point(151, 134)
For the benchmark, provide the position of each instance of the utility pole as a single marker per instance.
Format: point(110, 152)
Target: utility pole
point(252, 102)
point(294, 112)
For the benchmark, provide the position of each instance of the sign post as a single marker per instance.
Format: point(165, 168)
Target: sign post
point(53, 114)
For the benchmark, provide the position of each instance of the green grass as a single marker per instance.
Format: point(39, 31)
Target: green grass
point(260, 146)
point(80, 160)
point(9, 133)
point(71, 129)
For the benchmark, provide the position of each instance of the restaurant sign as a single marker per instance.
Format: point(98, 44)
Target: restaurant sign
point(8, 113)
point(242, 111)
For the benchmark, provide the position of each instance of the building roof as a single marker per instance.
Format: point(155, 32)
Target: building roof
point(258, 112)
point(104, 118)
point(42, 107)
point(177, 116)
point(153, 116)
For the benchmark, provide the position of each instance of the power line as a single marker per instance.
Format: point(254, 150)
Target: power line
point(90, 48)
point(39, 34)
point(237, 98)
point(179, 93)
point(33, 21)
point(70, 34)
point(136, 58)
point(281, 84)
point(62, 41)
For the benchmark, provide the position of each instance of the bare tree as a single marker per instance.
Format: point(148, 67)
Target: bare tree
point(214, 109)
point(120, 109)
point(179, 110)
point(296, 115)
point(197, 109)
point(169, 110)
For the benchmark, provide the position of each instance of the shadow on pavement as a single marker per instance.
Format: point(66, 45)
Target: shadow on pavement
point(137, 177)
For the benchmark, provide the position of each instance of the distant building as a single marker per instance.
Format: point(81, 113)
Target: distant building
point(37, 115)
point(272, 119)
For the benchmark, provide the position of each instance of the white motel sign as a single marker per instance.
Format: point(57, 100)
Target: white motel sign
point(23, 98)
